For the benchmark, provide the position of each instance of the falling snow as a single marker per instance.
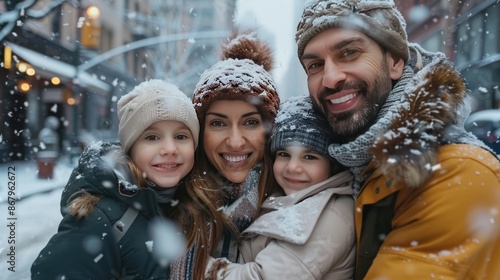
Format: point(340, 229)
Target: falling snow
point(483, 219)
point(483, 89)
point(168, 243)
point(99, 257)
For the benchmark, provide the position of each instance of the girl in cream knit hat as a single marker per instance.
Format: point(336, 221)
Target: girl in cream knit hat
point(118, 197)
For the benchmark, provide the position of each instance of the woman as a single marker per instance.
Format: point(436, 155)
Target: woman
point(236, 103)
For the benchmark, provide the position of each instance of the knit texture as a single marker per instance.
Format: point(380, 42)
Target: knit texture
point(356, 154)
point(378, 19)
point(240, 205)
point(241, 200)
point(150, 102)
point(242, 74)
point(182, 268)
point(298, 124)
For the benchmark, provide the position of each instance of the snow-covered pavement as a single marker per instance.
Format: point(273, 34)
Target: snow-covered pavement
point(29, 222)
point(37, 220)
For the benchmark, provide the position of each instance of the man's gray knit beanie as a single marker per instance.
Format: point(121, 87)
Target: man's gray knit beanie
point(297, 123)
point(378, 19)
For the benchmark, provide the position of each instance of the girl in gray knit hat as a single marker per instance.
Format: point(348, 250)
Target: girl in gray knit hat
point(118, 197)
point(306, 230)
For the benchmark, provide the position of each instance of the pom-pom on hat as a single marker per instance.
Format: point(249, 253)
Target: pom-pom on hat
point(242, 74)
point(378, 19)
point(299, 124)
point(149, 102)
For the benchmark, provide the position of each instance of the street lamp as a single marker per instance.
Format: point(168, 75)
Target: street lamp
point(86, 22)
point(93, 12)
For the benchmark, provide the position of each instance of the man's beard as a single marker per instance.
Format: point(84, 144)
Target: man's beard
point(350, 124)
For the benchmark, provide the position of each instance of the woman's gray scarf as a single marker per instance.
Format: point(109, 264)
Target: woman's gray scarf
point(355, 154)
point(241, 207)
point(242, 199)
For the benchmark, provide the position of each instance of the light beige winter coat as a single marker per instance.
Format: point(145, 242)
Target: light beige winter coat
point(306, 235)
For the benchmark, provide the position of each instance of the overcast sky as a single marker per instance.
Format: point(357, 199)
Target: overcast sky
point(277, 21)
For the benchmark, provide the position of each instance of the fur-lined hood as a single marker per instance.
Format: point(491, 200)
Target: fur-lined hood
point(432, 115)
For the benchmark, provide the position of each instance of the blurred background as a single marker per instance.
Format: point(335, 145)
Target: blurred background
point(73, 59)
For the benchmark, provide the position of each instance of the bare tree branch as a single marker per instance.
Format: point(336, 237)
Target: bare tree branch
point(38, 14)
point(23, 11)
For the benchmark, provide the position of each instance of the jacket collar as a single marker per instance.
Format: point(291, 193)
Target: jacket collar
point(431, 116)
point(101, 171)
point(294, 217)
point(425, 110)
point(338, 181)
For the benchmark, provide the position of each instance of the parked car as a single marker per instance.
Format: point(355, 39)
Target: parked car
point(485, 125)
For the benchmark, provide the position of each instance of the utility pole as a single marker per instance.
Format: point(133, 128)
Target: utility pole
point(85, 16)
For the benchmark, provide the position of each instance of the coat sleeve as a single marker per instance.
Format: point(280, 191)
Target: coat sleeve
point(328, 253)
point(81, 249)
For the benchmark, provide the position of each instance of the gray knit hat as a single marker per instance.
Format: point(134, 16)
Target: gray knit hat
point(378, 19)
point(298, 124)
point(150, 102)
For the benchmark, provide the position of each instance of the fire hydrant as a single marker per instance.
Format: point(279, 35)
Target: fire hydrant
point(49, 148)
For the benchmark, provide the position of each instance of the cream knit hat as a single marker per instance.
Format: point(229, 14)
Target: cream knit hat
point(150, 102)
point(377, 19)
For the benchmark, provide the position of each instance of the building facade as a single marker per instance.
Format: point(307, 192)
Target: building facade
point(75, 66)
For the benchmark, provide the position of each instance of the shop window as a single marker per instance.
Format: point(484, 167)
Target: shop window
point(433, 43)
point(492, 33)
point(478, 37)
point(470, 40)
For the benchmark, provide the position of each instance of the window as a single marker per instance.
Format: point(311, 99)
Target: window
point(478, 37)
point(491, 31)
point(469, 43)
point(433, 43)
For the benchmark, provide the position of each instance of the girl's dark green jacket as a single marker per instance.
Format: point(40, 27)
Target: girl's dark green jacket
point(88, 248)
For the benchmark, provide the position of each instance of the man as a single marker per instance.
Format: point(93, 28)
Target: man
point(427, 193)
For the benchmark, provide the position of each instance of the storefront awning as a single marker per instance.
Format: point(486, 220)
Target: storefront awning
point(59, 68)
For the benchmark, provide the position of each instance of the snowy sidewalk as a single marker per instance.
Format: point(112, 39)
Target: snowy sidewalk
point(27, 182)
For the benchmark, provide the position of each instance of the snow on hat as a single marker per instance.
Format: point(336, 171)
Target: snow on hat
point(299, 124)
point(242, 74)
point(378, 19)
point(150, 102)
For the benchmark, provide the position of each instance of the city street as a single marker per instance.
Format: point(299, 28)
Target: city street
point(37, 220)
point(35, 216)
